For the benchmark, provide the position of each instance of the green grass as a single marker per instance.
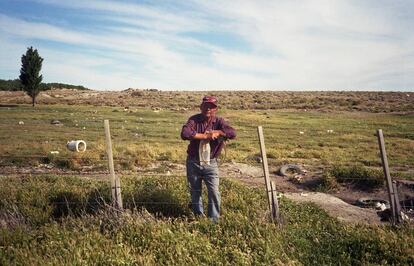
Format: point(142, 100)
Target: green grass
point(142, 137)
point(64, 220)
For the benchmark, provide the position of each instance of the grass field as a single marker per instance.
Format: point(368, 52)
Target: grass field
point(142, 136)
point(50, 219)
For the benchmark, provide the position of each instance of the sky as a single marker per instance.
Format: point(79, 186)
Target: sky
point(297, 45)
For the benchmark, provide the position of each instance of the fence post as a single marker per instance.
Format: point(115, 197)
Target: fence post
point(397, 202)
point(272, 200)
point(275, 203)
point(115, 182)
point(395, 211)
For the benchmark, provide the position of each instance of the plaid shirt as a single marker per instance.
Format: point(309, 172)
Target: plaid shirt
point(197, 124)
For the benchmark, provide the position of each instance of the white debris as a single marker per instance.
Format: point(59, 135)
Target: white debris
point(380, 206)
point(329, 131)
point(54, 152)
point(76, 145)
point(21, 123)
point(405, 217)
point(301, 132)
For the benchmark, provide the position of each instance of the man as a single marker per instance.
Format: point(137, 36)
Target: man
point(206, 133)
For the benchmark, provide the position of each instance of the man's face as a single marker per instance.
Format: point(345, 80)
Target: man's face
point(208, 109)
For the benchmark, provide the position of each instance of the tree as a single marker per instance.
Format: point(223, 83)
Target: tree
point(29, 73)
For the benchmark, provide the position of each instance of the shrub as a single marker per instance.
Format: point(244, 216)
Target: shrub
point(328, 182)
point(359, 176)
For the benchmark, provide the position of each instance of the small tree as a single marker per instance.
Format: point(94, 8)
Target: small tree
point(29, 73)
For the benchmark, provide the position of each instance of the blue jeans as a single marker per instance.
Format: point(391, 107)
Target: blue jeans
point(209, 173)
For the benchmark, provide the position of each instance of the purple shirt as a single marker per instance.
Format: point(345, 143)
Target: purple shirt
point(197, 124)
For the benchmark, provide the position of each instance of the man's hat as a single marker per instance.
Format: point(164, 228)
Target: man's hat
point(210, 99)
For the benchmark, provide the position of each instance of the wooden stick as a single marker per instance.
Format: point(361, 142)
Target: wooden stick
point(276, 214)
point(387, 175)
point(397, 202)
point(265, 169)
point(115, 182)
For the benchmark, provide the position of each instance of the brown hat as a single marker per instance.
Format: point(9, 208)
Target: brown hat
point(210, 99)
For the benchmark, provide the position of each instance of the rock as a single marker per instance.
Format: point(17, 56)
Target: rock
point(56, 122)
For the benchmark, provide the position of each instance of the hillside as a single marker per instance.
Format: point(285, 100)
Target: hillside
point(375, 102)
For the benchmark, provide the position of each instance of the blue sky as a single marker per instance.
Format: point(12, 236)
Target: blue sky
point(214, 45)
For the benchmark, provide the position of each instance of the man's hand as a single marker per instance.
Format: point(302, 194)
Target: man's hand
point(214, 134)
point(210, 135)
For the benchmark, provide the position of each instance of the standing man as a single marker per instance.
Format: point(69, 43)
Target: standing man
point(206, 133)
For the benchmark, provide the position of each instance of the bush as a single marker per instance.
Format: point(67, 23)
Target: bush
point(358, 176)
point(328, 182)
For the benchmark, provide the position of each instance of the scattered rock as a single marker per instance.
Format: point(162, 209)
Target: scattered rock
point(56, 122)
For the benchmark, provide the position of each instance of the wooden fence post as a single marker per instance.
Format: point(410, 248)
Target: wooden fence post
point(275, 213)
point(397, 202)
point(393, 197)
point(272, 200)
point(115, 182)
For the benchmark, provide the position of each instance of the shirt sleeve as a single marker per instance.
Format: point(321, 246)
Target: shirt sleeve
point(189, 130)
point(227, 129)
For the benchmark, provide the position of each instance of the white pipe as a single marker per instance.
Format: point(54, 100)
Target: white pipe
point(74, 145)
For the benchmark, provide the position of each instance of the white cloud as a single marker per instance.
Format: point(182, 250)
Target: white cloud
point(152, 18)
point(315, 44)
point(310, 44)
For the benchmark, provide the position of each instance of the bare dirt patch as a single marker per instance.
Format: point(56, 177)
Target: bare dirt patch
point(337, 208)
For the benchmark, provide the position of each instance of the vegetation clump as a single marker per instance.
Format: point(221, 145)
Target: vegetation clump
point(15, 85)
point(358, 176)
point(328, 182)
